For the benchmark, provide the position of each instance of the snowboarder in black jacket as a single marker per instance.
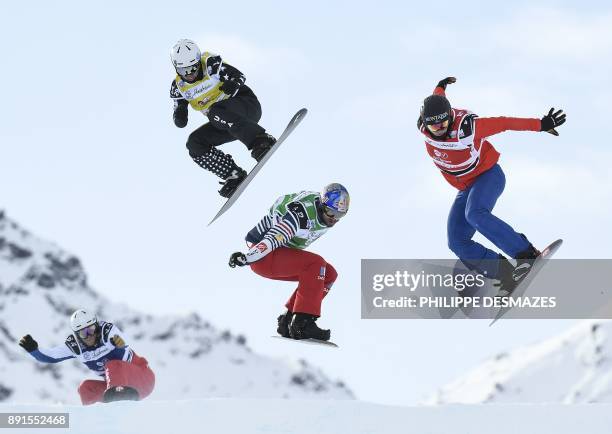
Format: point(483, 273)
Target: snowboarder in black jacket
point(217, 90)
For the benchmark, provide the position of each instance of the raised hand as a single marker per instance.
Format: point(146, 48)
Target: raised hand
point(448, 80)
point(552, 120)
point(28, 343)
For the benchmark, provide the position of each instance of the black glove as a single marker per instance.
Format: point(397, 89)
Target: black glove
point(237, 259)
point(446, 81)
point(180, 114)
point(28, 343)
point(552, 120)
point(230, 87)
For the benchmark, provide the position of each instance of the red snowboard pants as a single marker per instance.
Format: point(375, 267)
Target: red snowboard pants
point(136, 374)
point(315, 276)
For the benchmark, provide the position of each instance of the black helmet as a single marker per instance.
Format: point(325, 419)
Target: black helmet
point(436, 115)
point(436, 109)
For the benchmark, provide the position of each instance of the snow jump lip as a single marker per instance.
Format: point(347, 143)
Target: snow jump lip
point(299, 416)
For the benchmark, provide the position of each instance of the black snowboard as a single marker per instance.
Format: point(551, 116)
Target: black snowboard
point(539, 262)
point(294, 122)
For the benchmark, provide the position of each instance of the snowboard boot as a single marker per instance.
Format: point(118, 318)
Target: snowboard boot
point(506, 283)
point(303, 326)
point(120, 393)
point(283, 324)
point(261, 145)
point(511, 276)
point(524, 261)
point(232, 182)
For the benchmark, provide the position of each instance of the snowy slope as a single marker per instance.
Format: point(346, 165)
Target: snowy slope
point(574, 367)
point(40, 285)
point(245, 416)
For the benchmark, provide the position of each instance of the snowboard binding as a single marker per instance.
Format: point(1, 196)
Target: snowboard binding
point(261, 145)
point(232, 182)
point(120, 393)
point(510, 276)
point(284, 321)
point(303, 326)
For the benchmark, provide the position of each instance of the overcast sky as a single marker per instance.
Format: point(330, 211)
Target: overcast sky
point(90, 157)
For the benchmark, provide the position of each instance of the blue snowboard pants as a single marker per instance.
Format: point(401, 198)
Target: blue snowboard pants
point(471, 212)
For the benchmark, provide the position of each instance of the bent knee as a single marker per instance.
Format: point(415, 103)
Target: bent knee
point(458, 245)
point(197, 147)
point(330, 273)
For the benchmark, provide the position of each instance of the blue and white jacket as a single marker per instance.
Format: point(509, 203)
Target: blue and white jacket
point(94, 357)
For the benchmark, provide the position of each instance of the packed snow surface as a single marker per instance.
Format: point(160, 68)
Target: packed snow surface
point(277, 416)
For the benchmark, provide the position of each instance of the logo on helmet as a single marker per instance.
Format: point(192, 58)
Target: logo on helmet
point(436, 118)
point(342, 205)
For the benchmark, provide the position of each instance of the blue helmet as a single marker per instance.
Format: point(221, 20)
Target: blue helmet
point(335, 200)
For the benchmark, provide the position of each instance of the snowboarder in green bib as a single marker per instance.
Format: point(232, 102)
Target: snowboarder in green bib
point(277, 252)
point(217, 90)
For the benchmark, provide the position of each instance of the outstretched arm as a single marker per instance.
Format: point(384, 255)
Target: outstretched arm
point(48, 355)
point(52, 355)
point(485, 127)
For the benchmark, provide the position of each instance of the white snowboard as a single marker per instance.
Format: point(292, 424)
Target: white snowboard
point(309, 341)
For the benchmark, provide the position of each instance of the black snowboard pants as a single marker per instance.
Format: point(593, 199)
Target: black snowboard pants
point(232, 119)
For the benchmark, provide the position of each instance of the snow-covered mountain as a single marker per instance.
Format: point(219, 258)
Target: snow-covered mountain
point(574, 367)
point(40, 285)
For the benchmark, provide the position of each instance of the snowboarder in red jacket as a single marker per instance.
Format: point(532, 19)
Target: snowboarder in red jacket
point(457, 141)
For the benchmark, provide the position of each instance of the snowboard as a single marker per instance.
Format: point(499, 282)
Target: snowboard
point(293, 123)
point(539, 262)
point(120, 393)
point(309, 341)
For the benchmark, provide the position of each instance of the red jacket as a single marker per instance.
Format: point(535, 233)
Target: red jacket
point(464, 153)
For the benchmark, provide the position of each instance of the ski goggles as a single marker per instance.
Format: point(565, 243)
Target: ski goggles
point(332, 213)
point(438, 126)
point(88, 331)
point(187, 70)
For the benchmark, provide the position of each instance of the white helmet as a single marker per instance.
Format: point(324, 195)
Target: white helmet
point(81, 319)
point(185, 56)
